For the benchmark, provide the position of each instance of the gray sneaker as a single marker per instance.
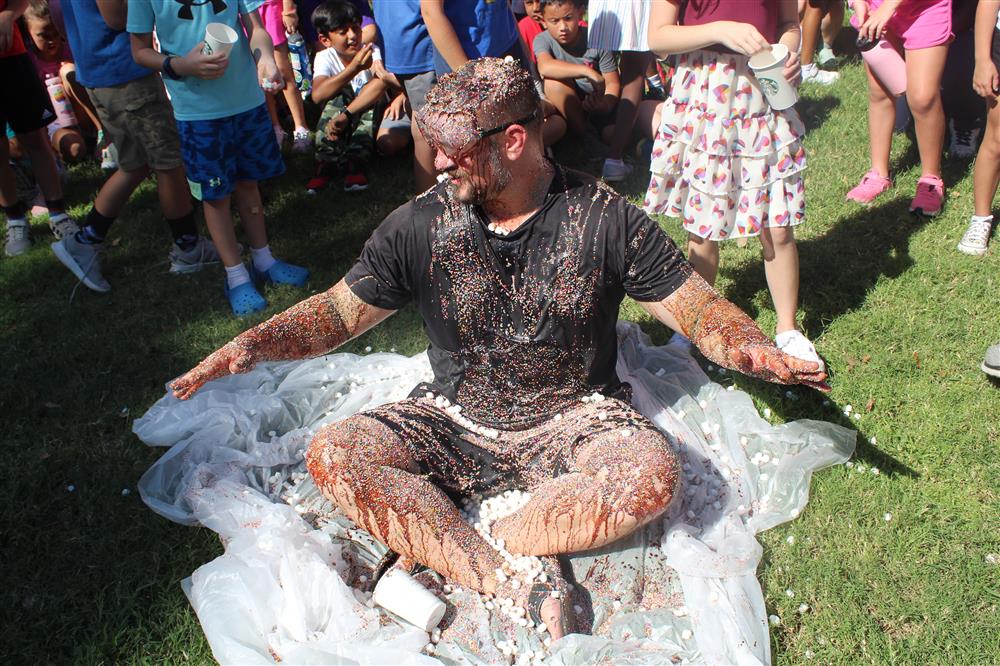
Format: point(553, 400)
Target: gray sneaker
point(18, 240)
point(63, 227)
point(84, 261)
point(202, 254)
point(991, 364)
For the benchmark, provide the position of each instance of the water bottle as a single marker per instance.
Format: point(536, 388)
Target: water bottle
point(60, 102)
point(299, 56)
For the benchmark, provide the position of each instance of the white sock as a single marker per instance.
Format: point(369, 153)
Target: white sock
point(262, 259)
point(982, 218)
point(811, 67)
point(237, 275)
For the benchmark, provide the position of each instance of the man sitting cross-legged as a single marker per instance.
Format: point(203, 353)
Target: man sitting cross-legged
point(518, 268)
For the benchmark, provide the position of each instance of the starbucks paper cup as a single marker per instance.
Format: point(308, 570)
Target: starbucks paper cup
point(768, 66)
point(219, 38)
point(399, 593)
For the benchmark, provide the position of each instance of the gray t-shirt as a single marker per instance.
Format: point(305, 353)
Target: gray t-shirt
point(578, 54)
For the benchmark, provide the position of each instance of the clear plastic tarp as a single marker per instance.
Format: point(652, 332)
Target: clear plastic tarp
point(294, 583)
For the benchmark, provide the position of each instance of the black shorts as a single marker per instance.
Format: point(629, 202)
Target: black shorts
point(462, 461)
point(30, 108)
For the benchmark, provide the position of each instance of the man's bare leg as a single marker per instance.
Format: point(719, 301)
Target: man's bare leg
point(618, 484)
point(365, 468)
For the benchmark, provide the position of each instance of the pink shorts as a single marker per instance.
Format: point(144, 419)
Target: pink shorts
point(920, 24)
point(270, 16)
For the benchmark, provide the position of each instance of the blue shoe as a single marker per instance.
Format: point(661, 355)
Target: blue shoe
point(245, 299)
point(280, 273)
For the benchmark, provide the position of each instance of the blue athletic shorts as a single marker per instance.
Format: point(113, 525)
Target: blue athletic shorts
point(219, 152)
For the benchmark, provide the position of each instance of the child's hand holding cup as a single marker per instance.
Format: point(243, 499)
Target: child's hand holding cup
point(771, 67)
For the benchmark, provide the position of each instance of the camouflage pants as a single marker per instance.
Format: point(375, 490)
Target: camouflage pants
point(356, 143)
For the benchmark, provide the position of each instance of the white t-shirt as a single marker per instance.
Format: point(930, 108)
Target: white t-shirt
point(328, 63)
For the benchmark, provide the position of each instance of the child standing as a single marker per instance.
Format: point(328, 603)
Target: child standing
point(986, 82)
point(133, 107)
point(280, 17)
point(583, 84)
point(27, 113)
point(349, 93)
point(723, 159)
point(920, 30)
point(227, 141)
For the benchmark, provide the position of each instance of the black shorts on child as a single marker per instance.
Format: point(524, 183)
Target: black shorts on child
point(26, 106)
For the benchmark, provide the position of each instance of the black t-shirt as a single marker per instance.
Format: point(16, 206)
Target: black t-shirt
point(519, 325)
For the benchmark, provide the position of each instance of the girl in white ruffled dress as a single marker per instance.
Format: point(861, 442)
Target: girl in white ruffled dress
point(723, 160)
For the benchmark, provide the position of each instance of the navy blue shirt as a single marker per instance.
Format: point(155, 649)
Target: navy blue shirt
point(103, 55)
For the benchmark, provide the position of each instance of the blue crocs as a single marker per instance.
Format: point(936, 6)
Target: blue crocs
point(280, 273)
point(245, 299)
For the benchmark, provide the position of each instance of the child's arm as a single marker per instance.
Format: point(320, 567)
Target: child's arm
point(262, 49)
point(985, 80)
point(325, 88)
point(10, 14)
point(605, 102)
point(370, 94)
point(666, 37)
point(551, 67)
point(114, 13)
point(791, 37)
point(195, 63)
point(290, 16)
point(873, 27)
point(443, 33)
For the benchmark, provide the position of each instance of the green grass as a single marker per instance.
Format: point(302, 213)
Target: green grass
point(92, 576)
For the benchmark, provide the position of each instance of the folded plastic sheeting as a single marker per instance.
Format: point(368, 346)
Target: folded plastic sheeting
point(294, 583)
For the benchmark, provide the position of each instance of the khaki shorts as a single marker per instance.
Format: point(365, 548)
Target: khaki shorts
point(138, 118)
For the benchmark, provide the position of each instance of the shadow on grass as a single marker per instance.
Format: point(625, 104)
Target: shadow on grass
point(814, 111)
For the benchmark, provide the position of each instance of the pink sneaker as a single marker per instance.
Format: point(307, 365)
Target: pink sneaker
point(929, 197)
point(871, 185)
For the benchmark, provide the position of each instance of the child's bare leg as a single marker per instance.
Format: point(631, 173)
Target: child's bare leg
point(633, 74)
point(986, 176)
point(8, 184)
point(811, 18)
point(391, 141)
point(565, 99)
point(69, 144)
point(219, 221)
point(704, 256)
point(881, 118)
point(117, 189)
point(291, 91)
point(781, 267)
point(174, 193)
point(553, 129)
point(647, 121)
point(43, 163)
point(832, 22)
point(924, 68)
point(78, 94)
point(251, 211)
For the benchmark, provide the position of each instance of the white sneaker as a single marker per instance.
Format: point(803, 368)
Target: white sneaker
point(977, 236)
point(615, 171)
point(300, 140)
point(18, 240)
point(963, 141)
point(811, 73)
point(84, 261)
point(795, 344)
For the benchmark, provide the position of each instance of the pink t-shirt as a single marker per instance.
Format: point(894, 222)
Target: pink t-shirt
point(47, 68)
point(762, 14)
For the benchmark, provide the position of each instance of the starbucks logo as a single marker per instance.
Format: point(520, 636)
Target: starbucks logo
point(770, 86)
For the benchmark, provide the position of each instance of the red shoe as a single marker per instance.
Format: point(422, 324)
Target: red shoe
point(355, 180)
point(321, 178)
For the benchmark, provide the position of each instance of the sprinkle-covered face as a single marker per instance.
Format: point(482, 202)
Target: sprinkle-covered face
point(473, 165)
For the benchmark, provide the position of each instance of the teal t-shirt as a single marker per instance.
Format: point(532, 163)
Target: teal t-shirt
point(180, 25)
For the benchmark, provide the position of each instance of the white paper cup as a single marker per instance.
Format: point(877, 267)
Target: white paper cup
point(769, 68)
point(219, 38)
point(399, 593)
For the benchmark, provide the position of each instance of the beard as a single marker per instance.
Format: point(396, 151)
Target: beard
point(489, 178)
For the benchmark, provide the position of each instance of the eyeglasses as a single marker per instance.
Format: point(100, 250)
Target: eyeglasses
point(485, 134)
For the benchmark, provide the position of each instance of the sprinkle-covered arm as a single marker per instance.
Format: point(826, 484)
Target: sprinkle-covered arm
point(728, 337)
point(312, 327)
